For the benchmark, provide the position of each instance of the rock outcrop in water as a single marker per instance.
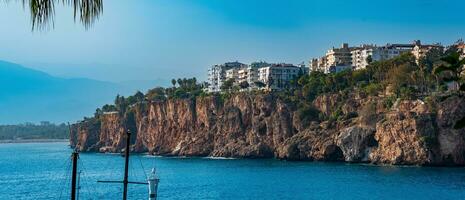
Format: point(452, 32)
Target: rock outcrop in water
point(264, 126)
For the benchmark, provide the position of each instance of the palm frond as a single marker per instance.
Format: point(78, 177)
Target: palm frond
point(452, 58)
point(442, 68)
point(43, 11)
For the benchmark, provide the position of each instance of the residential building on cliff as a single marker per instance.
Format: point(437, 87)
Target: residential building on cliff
point(313, 64)
point(250, 74)
point(365, 54)
point(346, 57)
point(335, 60)
point(217, 74)
point(273, 76)
point(318, 64)
point(232, 73)
point(279, 76)
point(338, 59)
point(420, 50)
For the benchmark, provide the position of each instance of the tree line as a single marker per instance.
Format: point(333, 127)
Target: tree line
point(44, 130)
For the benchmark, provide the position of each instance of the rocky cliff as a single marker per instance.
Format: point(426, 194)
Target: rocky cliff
point(265, 126)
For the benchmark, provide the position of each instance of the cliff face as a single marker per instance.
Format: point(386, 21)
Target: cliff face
point(241, 127)
point(263, 126)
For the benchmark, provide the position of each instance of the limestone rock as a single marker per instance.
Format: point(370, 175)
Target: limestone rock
point(356, 143)
point(264, 126)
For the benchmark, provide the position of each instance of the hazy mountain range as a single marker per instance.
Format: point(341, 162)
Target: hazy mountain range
point(28, 95)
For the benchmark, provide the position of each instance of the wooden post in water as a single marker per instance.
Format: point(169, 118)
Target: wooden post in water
point(126, 170)
point(74, 156)
point(126, 166)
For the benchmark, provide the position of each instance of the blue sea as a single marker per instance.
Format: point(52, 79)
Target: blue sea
point(42, 171)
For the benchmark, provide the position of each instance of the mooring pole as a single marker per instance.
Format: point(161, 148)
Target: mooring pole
point(126, 166)
point(78, 184)
point(74, 156)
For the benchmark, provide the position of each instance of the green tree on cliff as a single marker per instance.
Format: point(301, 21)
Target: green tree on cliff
point(156, 94)
point(180, 83)
point(228, 84)
point(121, 104)
point(451, 70)
point(173, 82)
point(244, 85)
point(139, 96)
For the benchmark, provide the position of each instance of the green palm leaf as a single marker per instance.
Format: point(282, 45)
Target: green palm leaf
point(43, 11)
point(442, 68)
point(452, 59)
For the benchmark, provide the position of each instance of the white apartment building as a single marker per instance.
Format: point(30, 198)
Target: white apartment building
point(252, 73)
point(232, 74)
point(318, 64)
point(243, 75)
point(279, 76)
point(361, 57)
point(338, 57)
point(313, 64)
point(420, 51)
point(217, 74)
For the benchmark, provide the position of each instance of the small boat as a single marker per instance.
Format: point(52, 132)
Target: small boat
point(152, 180)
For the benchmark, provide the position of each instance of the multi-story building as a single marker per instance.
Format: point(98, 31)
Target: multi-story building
point(318, 64)
point(363, 56)
point(250, 74)
point(232, 74)
point(420, 51)
point(341, 57)
point(243, 75)
point(313, 64)
point(279, 76)
point(304, 69)
point(217, 74)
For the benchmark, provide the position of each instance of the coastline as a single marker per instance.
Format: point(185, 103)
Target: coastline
point(32, 141)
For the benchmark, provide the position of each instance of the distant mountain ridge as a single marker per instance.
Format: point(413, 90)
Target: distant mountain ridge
point(28, 95)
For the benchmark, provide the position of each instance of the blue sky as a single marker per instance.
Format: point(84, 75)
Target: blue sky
point(161, 39)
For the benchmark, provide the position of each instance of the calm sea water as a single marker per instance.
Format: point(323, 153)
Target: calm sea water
point(42, 171)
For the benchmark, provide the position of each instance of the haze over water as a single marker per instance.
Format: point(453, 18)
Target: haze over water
point(37, 171)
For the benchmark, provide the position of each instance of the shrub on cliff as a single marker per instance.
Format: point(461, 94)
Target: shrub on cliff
point(368, 115)
point(373, 89)
point(156, 94)
point(308, 113)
